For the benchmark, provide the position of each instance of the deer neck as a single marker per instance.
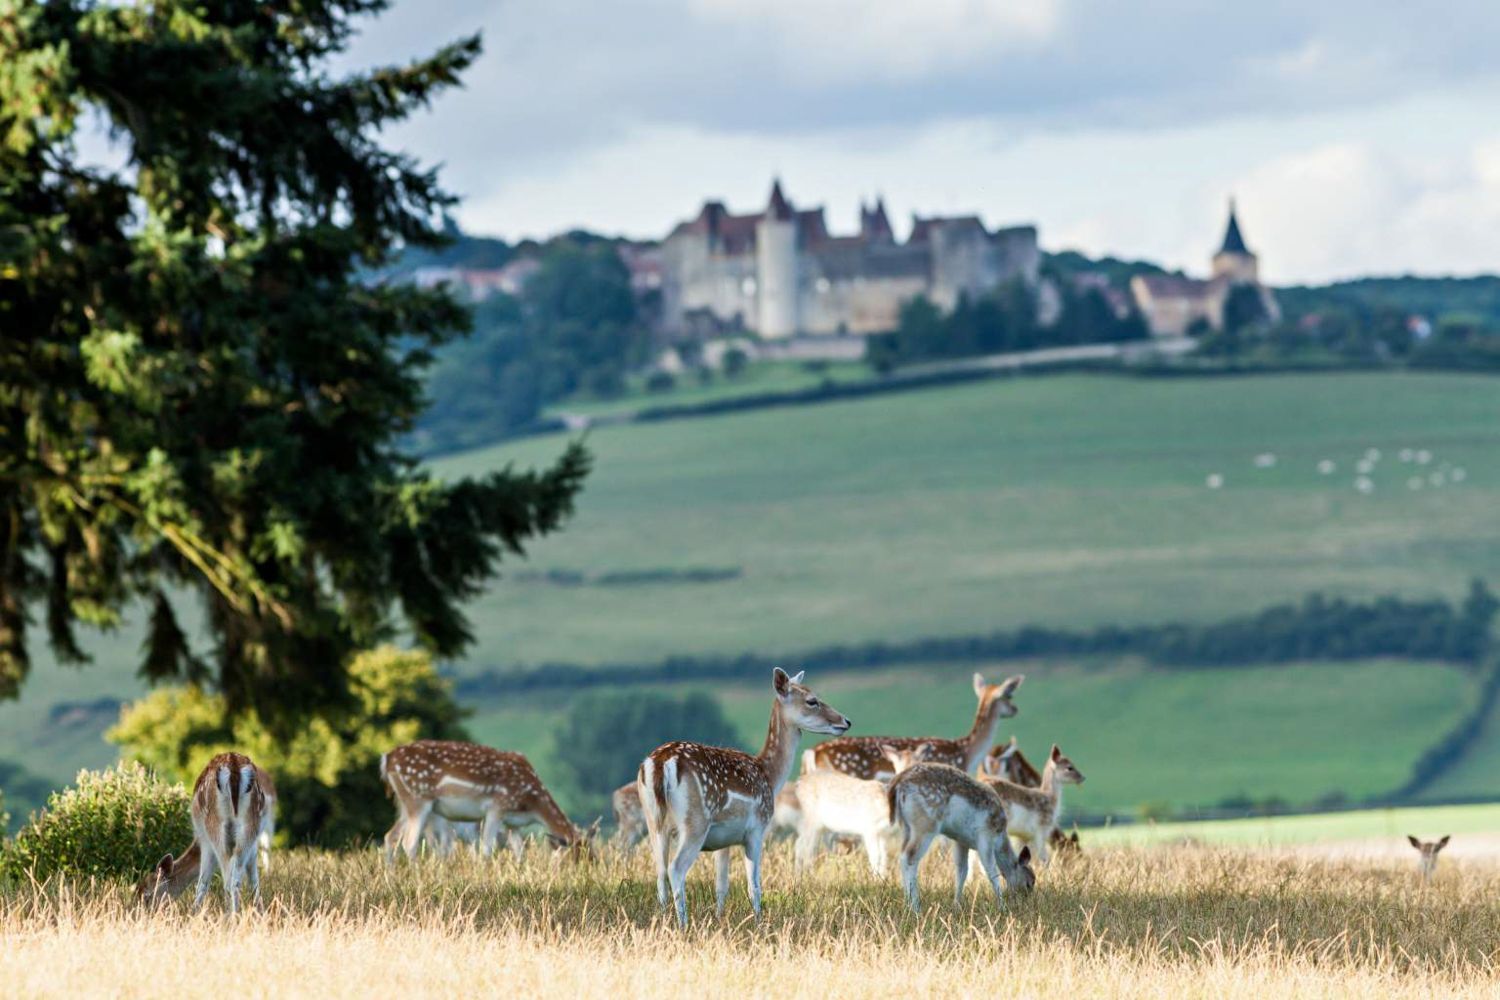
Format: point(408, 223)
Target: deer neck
point(780, 751)
point(982, 733)
point(1051, 787)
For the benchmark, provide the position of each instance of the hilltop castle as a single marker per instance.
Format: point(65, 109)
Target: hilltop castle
point(781, 273)
point(1173, 305)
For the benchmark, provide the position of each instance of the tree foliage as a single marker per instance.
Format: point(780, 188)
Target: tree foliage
point(198, 393)
point(605, 735)
point(327, 774)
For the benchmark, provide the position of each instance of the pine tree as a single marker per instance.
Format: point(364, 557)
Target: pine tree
point(200, 391)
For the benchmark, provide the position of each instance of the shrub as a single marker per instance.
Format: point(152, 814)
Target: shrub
point(327, 773)
point(605, 734)
point(110, 824)
point(660, 381)
point(735, 362)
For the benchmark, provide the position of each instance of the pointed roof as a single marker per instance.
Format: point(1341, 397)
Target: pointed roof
point(1233, 241)
point(779, 207)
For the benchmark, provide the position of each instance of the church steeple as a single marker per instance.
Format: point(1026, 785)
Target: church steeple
point(1233, 241)
point(779, 208)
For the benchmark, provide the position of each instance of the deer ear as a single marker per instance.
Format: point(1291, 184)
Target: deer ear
point(164, 866)
point(1056, 753)
point(1413, 841)
point(979, 685)
point(1025, 856)
point(1009, 685)
point(1444, 842)
point(780, 682)
point(797, 677)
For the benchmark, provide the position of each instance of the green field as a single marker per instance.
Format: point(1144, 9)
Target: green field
point(759, 378)
point(1064, 500)
point(1140, 735)
point(1358, 824)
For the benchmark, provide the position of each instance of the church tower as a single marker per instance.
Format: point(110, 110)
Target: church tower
point(1234, 260)
point(776, 267)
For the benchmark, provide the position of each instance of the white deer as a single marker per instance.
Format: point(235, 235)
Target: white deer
point(234, 816)
point(468, 783)
point(701, 798)
point(1032, 813)
point(832, 802)
point(932, 799)
point(630, 821)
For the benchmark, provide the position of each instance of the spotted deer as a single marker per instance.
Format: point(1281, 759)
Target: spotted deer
point(233, 814)
point(1429, 850)
point(467, 783)
point(931, 799)
point(833, 802)
point(701, 798)
point(1010, 763)
point(630, 821)
point(1031, 813)
point(864, 756)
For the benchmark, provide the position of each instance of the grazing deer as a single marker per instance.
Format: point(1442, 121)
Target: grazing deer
point(1031, 813)
point(833, 802)
point(467, 783)
point(701, 798)
point(930, 799)
point(630, 821)
point(864, 756)
point(233, 814)
point(1429, 850)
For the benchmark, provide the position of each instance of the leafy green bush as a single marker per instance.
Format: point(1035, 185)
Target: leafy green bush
point(605, 734)
point(327, 773)
point(111, 824)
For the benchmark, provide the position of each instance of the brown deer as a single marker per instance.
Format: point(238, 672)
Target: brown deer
point(701, 798)
point(1429, 850)
point(864, 756)
point(234, 815)
point(630, 821)
point(468, 783)
point(1031, 813)
point(931, 799)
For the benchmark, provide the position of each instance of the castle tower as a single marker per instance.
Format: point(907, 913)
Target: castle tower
point(1234, 260)
point(776, 266)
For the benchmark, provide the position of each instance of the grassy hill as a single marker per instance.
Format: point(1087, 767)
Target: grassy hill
point(1065, 500)
point(1071, 500)
point(1140, 735)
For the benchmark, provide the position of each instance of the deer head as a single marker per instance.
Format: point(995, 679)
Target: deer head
point(803, 709)
point(1429, 850)
point(996, 761)
point(156, 885)
point(997, 696)
point(901, 759)
point(1025, 875)
point(1064, 769)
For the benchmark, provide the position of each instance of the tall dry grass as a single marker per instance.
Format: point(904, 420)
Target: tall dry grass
point(1184, 923)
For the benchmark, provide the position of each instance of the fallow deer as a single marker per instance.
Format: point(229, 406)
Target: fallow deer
point(1031, 813)
point(233, 815)
point(1010, 763)
point(630, 821)
point(864, 756)
point(701, 798)
point(833, 802)
point(786, 817)
point(467, 783)
point(1429, 850)
point(932, 799)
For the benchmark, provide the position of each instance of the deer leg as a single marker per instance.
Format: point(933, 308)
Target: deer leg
point(989, 852)
point(233, 871)
point(875, 850)
point(721, 880)
point(1008, 863)
point(416, 825)
point(392, 840)
point(809, 836)
point(960, 872)
point(689, 844)
point(753, 848)
point(207, 858)
point(913, 849)
point(252, 870)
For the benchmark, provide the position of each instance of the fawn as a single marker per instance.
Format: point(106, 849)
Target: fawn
point(1031, 813)
point(1429, 850)
point(832, 802)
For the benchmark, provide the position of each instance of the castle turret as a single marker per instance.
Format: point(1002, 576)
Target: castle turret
point(1234, 260)
point(776, 267)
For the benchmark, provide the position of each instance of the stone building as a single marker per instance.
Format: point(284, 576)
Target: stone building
point(781, 273)
point(1173, 304)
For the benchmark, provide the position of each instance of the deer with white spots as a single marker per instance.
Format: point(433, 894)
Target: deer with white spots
point(1031, 813)
point(234, 815)
point(832, 802)
point(931, 799)
point(701, 798)
point(864, 756)
point(467, 783)
point(1429, 850)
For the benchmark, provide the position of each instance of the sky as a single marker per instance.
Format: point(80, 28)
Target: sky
point(1357, 136)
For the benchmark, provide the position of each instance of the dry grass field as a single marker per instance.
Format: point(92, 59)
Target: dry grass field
point(1183, 922)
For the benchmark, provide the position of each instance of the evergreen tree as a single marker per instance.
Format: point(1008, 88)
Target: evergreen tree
point(198, 392)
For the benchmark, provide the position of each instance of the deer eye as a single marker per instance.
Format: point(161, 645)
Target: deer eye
point(812, 703)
